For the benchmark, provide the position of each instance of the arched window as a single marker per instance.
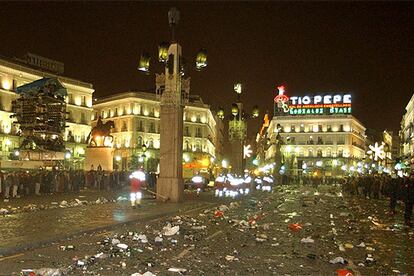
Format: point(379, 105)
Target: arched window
point(328, 152)
point(151, 143)
point(187, 145)
point(139, 143)
point(319, 153)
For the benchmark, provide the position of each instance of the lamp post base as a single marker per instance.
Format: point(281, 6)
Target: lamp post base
point(171, 189)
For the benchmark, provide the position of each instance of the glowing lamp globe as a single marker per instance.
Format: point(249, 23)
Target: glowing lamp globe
point(234, 109)
point(220, 113)
point(163, 51)
point(201, 59)
point(144, 63)
point(255, 112)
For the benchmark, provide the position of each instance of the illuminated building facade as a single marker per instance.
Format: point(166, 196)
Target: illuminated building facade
point(17, 72)
point(407, 131)
point(137, 122)
point(318, 136)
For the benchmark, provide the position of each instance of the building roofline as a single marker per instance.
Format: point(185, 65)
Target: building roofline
point(143, 95)
point(20, 66)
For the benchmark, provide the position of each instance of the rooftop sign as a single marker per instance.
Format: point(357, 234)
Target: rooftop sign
point(313, 105)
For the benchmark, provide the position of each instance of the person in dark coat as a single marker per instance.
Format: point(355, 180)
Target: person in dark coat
point(409, 200)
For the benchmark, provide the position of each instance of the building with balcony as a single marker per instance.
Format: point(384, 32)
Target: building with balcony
point(407, 132)
point(320, 139)
point(137, 123)
point(16, 72)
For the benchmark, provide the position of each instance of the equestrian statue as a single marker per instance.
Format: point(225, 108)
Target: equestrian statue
point(102, 130)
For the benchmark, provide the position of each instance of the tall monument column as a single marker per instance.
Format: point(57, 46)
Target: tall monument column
point(237, 137)
point(170, 184)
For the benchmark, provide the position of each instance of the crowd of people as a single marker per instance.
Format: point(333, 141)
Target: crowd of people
point(15, 184)
point(384, 186)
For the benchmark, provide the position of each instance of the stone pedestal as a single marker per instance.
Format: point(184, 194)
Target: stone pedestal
point(236, 160)
point(99, 156)
point(170, 183)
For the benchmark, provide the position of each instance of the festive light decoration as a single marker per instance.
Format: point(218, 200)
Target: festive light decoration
point(247, 152)
point(376, 151)
point(238, 88)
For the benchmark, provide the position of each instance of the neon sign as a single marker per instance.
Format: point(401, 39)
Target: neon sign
point(281, 99)
point(315, 105)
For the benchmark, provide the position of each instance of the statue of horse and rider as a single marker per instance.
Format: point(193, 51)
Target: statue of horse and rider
point(102, 130)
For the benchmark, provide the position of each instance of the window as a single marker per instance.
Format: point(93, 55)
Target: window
point(198, 132)
point(320, 141)
point(139, 142)
point(340, 152)
point(320, 128)
point(302, 128)
point(187, 145)
point(341, 128)
point(310, 153)
point(124, 126)
point(187, 131)
point(329, 128)
point(292, 128)
point(328, 152)
point(319, 153)
point(140, 126)
point(83, 118)
point(152, 127)
point(83, 100)
point(151, 143)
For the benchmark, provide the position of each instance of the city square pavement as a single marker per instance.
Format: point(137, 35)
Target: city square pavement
point(293, 230)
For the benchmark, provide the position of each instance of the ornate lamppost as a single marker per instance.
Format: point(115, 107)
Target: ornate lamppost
point(170, 182)
point(238, 129)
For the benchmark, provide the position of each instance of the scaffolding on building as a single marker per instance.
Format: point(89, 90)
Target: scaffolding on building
point(40, 113)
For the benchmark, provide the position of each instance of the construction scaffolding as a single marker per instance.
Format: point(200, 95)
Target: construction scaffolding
point(40, 113)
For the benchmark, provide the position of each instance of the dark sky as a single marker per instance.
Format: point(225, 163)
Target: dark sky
point(362, 48)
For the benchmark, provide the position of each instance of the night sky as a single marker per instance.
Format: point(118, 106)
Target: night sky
point(362, 48)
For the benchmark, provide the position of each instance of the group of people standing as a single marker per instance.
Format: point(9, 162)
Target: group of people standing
point(380, 186)
point(15, 184)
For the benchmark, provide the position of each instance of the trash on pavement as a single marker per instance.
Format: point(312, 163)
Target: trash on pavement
point(338, 260)
point(122, 246)
point(178, 270)
point(218, 214)
point(42, 271)
point(170, 231)
point(307, 240)
point(344, 272)
point(295, 227)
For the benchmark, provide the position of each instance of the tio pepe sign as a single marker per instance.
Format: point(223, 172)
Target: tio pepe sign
point(318, 99)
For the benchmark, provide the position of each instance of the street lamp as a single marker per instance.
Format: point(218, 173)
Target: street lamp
point(238, 128)
point(142, 158)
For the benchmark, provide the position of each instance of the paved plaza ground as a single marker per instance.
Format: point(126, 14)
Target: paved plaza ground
point(294, 230)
